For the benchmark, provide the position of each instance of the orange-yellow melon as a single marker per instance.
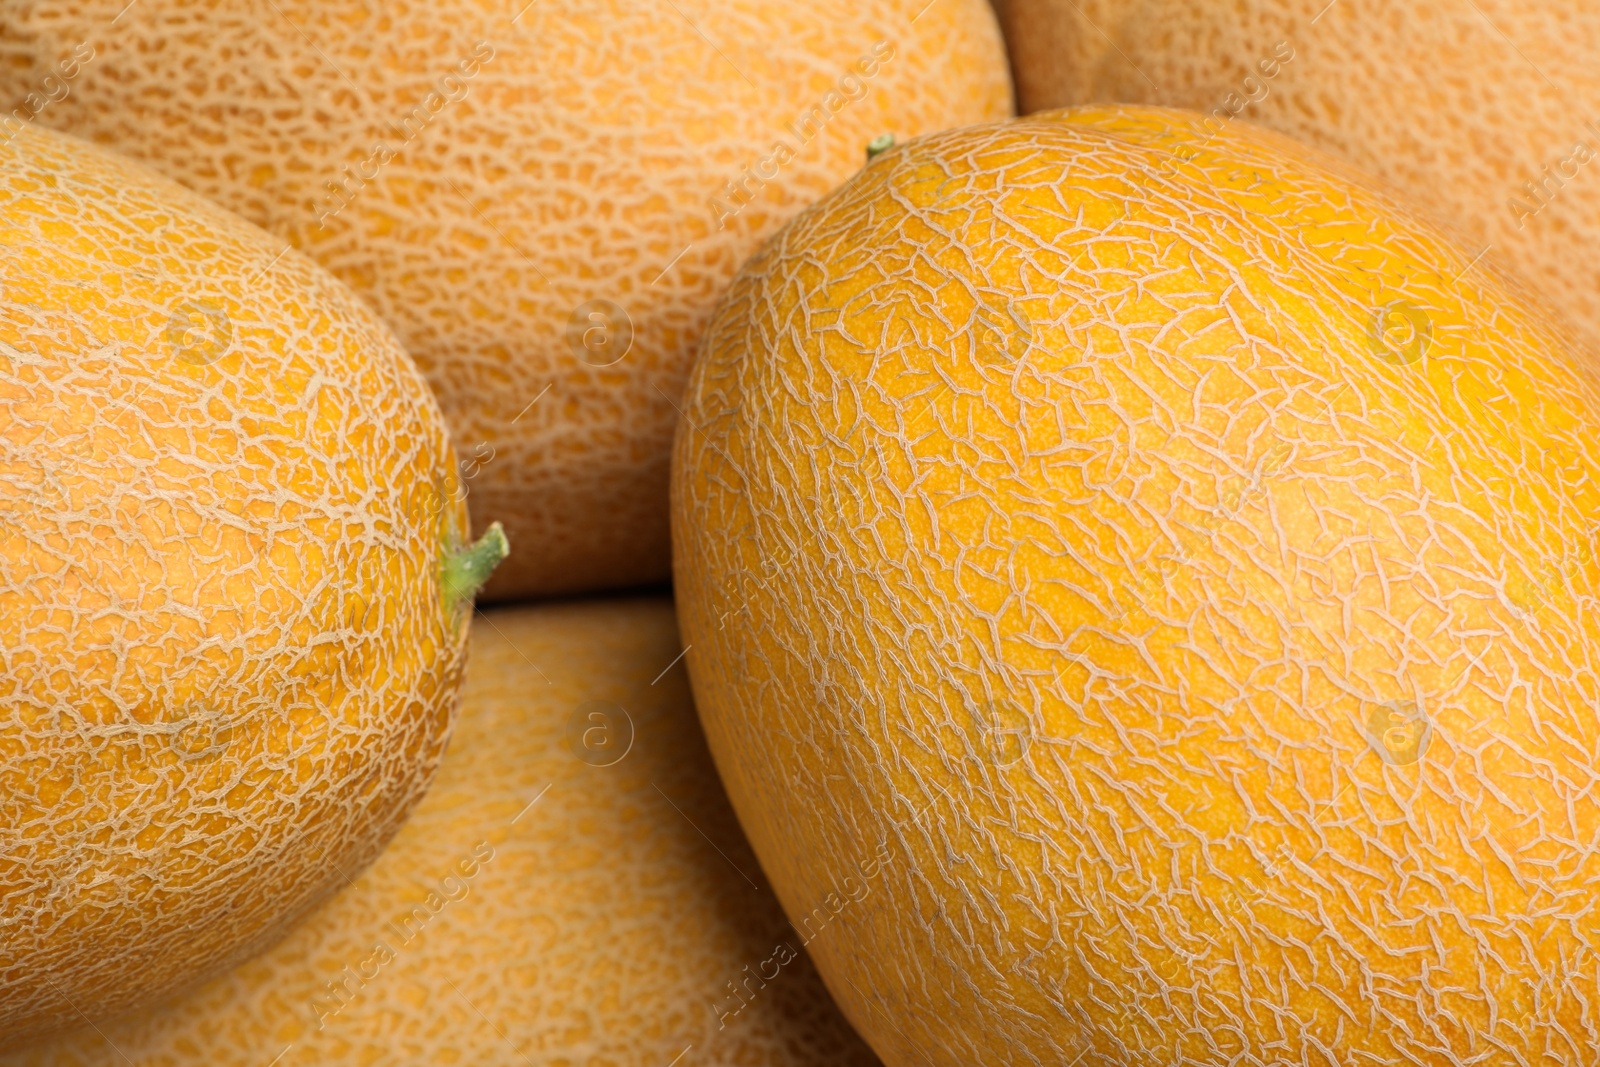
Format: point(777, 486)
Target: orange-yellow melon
point(231, 613)
point(1180, 559)
point(572, 890)
point(545, 200)
point(1482, 113)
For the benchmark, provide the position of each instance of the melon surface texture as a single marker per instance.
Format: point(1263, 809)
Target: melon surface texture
point(573, 890)
point(1178, 561)
point(1484, 113)
point(232, 618)
point(544, 200)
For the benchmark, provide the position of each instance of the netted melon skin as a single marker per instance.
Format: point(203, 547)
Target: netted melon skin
point(1458, 106)
point(1061, 508)
point(600, 925)
point(585, 160)
point(229, 671)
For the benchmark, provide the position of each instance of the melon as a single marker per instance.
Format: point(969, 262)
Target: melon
point(573, 890)
point(545, 200)
point(234, 591)
point(1178, 561)
point(1472, 110)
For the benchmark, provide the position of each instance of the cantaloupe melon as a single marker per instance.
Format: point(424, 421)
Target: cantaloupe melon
point(573, 890)
point(545, 200)
point(1483, 113)
point(232, 606)
point(1180, 563)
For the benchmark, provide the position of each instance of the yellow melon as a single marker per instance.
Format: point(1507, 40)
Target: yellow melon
point(233, 598)
point(1481, 112)
point(573, 890)
point(544, 199)
point(1180, 560)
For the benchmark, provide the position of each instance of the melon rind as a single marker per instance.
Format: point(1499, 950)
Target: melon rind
point(1181, 561)
point(1481, 113)
point(538, 907)
point(544, 200)
point(229, 668)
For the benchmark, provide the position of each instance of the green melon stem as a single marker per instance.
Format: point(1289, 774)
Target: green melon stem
point(879, 145)
point(467, 570)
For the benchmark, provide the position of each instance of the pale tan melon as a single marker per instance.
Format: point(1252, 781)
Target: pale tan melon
point(232, 609)
point(1183, 566)
point(1486, 114)
point(545, 200)
point(569, 892)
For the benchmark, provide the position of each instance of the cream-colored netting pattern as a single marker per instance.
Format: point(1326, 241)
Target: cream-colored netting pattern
point(1182, 560)
point(227, 672)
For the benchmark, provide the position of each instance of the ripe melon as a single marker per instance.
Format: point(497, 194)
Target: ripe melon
point(233, 594)
point(1180, 560)
point(544, 199)
point(1481, 112)
point(573, 890)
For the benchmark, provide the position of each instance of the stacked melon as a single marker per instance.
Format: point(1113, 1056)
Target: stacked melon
point(1481, 113)
point(1135, 575)
point(238, 571)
